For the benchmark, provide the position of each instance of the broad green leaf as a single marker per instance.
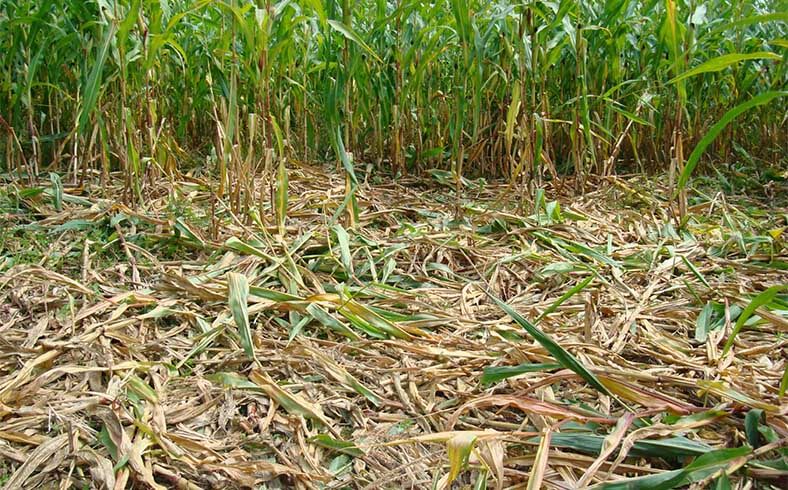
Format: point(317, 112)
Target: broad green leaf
point(703, 323)
point(142, 389)
point(559, 353)
point(722, 483)
point(762, 299)
point(321, 315)
point(272, 295)
point(187, 232)
point(233, 380)
point(238, 297)
point(349, 33)
point(673, 447)
point(92, 88)
point(749, 21)
point(234, 243)
point(751, 422)
point(317, 6)
point(344, 247)
point(715, 130)
point(721, 62)
point(695, 271)
point(74, 224)
point(705, 465)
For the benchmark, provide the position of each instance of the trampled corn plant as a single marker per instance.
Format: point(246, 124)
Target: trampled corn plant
point(501, 88)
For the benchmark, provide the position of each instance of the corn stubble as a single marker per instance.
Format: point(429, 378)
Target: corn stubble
point(187, 299)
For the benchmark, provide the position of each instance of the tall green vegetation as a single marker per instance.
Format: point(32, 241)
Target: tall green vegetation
point(516, 89)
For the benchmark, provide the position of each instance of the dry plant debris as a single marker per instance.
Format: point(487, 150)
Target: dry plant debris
point(182, 346)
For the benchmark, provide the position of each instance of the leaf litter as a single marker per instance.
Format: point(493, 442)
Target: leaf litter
point(595, 346)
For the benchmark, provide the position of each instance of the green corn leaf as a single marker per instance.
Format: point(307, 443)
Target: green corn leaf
point(343, 157)
point(559, 353)
point(132, 16)
point(695, 271)
point(722, 483)
point(272, 295)
point(715, 130)
point(317, 6)
point(721, 62)
point(703, 323)
point(187, 232)
point(749, 21)
point(142, 389)
point(344, 247)
point(762, 299)
point(324, 317)
point(349, 33)
point(573, 291)
point(233, 380)
point(243, 247)
point(238, 296)
point(673, 447)
point(499, 373)
point(751, 422)
point(705, 465)
point(93, 85)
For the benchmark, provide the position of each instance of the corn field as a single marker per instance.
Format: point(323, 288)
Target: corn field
point(508, 89)
point(362, 244)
